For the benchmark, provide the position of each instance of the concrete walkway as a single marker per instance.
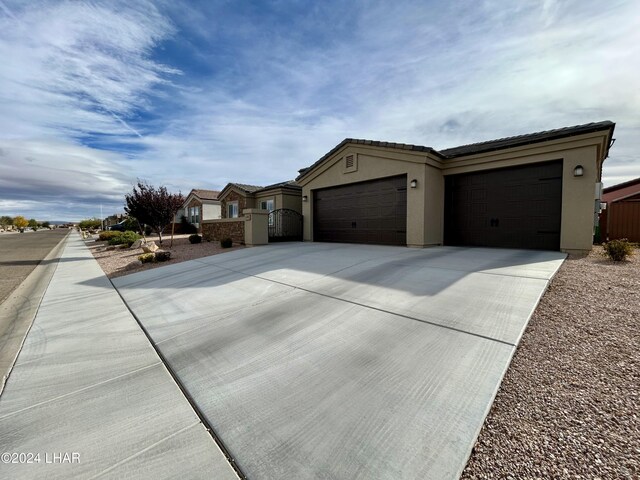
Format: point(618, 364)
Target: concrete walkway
point(343, 361)
point(89, 395)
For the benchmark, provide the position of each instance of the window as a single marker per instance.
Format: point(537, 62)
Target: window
point(194, 215)
point(267, 205)
point(232, 210)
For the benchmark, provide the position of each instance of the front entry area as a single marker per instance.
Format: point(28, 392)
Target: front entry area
point(517, 207)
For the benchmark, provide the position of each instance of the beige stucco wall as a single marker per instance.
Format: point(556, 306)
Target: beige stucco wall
point(292, 201)
point(425, 204)
point(256, 229)
point(283, 198)
point(211, 211)
point(578, 193)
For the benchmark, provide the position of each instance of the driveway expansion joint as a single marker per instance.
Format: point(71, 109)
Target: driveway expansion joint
point(370, 307)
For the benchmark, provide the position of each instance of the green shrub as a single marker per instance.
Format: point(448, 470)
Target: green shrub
point(125, 238)
point(226, 243)
point(162, 256)
point(147, 258)
point(618, 250)
point(108, 235)
point(186, 226)
point(195, 238)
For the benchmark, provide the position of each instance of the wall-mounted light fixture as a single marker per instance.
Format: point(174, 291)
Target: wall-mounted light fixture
point(413, 183)
point(578, 171)
point(305, 198)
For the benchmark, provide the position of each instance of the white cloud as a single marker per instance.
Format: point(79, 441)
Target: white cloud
point(287, 92)
point(70, 67)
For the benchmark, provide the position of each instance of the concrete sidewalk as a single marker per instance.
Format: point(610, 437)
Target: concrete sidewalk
point(89, 397)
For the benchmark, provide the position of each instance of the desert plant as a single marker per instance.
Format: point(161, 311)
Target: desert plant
point(20, 222)
point(90, 223)
point(153, 206)
point(6, 221)
point(618, 250)
point(124, 238)
point(147, 258)
point(108, 235)
point(226, 243)
point(195, 239)
point(162, 256)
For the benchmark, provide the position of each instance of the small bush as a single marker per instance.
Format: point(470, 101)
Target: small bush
point(125, 238)
point(186, 226)
point(195, 238)
point(163, 256)
point(618, 250)
point(226, 243)
point(108, 235)
point(147, 258)
point(147, 230)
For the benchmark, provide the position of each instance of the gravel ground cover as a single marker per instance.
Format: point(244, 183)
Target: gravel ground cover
point(115, 263)
point(568, 406)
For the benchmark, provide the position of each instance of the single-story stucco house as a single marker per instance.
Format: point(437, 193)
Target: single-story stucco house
point(621, 215)
point(200, 205)
point(537, 191)
point(235, 197)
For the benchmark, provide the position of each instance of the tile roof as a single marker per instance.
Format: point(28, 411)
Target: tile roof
point(246, 188)
point(474, 148)
point(287, 184)
point(529, 138)
point(205, 194)
point(374, 143)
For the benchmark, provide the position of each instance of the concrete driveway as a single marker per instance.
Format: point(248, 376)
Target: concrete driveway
point(343, 361)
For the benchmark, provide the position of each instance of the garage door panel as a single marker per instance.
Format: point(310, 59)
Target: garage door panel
point(367, 212)
point(516, 207)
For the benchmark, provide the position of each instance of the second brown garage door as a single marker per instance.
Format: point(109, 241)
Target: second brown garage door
point(517, 207)
point(367, 212)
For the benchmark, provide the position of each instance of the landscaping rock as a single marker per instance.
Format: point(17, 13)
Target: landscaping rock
point(150, 247)
point(133, 265)
point(138, 244)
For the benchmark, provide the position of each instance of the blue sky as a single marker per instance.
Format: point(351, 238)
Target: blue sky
point(196, 94)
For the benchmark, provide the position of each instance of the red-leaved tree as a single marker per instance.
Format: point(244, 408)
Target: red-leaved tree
point(153, 206)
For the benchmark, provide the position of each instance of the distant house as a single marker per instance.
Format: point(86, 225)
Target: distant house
point(621, 216)
point(200, 205)
point(113, 219)
point(235, 197)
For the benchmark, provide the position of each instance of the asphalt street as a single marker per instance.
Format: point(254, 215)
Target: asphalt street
point(21, 252)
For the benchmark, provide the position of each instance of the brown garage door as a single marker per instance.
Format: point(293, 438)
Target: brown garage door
point(367, 212)
point(516, 207)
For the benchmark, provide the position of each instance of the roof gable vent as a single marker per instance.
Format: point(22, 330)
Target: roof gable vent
point(350, 163)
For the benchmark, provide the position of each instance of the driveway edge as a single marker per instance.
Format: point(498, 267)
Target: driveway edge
point(194, 406)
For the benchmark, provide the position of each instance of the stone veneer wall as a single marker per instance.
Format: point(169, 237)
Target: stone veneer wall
point(216, 230)
point(233, 197)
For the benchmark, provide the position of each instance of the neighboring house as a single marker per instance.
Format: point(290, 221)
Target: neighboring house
point(200, 205)
point(113, 219)
point(621, 216)
point(235, 197)
point(533, 191)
